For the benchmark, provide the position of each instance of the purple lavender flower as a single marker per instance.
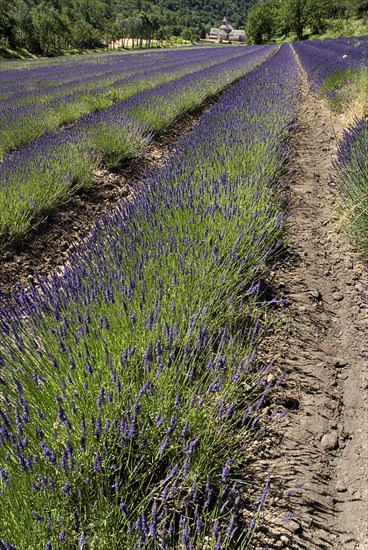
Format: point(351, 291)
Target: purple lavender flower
point(115, 485)
point(124, 509)
point(97, 465)
point(66, 488)
point(101, 397)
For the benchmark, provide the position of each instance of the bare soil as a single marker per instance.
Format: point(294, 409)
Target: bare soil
point(319, 464)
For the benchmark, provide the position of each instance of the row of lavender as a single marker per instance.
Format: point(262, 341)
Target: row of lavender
point(38, 177)
point(352, 174)
point(339, 68)
point(321, 58)
point(37, 100)
point(130, 385)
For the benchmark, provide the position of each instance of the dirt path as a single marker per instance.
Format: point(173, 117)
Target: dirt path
point(320, 490)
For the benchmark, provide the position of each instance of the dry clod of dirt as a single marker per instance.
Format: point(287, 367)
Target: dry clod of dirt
point(340, 363)
point(316, 294)
point(340, 486)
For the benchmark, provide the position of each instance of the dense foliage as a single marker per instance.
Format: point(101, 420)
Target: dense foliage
point(130, 389)
point(52, 26)
point(271, 19)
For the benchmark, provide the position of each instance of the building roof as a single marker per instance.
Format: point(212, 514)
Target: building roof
point(225, 26)
point(226, 31)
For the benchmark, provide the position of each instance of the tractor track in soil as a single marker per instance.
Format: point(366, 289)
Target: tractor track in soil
point(319, 461)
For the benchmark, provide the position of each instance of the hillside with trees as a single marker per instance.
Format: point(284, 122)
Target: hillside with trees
point(270, 20)
point(50, 27)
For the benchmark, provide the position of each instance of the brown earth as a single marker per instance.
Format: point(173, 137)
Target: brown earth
point(319, 464)
point(319, 454)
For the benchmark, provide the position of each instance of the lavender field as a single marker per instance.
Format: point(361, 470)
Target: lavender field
point(133, 385)
point(52, 95)
point(38, 177)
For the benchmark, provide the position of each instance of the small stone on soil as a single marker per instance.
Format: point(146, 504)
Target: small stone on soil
point(340, 486)
point(315, 294)
point(330, 441)
point(294, 527)
point(339, 363)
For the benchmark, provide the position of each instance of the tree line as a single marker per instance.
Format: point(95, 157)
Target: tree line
point(52, 26)
point(269, 19)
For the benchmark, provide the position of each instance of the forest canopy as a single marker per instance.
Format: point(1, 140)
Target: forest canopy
point(51, 26)
point(270, 19)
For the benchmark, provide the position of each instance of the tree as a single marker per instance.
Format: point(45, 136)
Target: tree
point(111, 33)
point(92, 12)
point(24, 28)
point(7, 22)
point(316, 13)
point(134, 28)
point(84, 35)
point(146, 27)
point(361, 8)
point(190, 34)
point(260, 23)
point(295, 13)
point(202, 32)
point(49, 28)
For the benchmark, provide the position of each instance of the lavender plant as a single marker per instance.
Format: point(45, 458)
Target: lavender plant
point(130, 386)
point(321, 59)
point(336, 68)
point(351, 172)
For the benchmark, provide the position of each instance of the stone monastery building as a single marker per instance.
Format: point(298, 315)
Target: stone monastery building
point(226, 33)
